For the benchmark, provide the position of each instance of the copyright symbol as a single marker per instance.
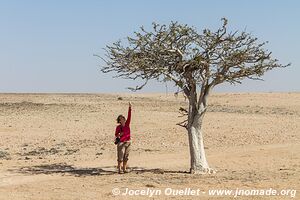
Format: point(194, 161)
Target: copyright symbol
point(116, 191)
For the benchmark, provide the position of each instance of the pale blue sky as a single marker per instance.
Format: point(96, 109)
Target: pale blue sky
point(48, 46)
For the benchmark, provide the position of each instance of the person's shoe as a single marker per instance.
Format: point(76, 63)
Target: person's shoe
point(119, 171)
point(126, 170)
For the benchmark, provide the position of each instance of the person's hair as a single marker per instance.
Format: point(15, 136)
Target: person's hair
point(119, 118)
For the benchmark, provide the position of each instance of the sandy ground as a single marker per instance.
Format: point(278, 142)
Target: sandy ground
point(60, 146)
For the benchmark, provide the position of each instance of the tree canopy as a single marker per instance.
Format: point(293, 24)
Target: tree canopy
point(179, 53)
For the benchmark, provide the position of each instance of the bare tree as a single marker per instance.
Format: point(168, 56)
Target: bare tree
point(195, 62)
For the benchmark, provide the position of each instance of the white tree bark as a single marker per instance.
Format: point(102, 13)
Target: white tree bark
point(199, 163)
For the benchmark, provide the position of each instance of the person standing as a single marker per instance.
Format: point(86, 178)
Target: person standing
point(123, 142)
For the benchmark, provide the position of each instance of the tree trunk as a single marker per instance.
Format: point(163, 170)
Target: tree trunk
point(198, 159)
point(196, 113)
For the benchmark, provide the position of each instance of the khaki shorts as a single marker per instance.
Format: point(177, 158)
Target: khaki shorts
point(123, 149)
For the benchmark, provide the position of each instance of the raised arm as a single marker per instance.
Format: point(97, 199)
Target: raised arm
point(127, 123)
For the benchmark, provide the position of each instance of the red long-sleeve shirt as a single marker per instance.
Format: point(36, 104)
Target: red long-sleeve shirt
point(125, 129)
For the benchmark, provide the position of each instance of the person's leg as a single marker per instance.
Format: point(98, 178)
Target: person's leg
point(126, 155)
point(124, 166)
point(120, 152)
point(119, 167)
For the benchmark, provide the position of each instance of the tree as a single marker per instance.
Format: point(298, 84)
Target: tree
point(195, 62)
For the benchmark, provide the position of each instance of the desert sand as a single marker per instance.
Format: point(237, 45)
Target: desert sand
point(60, 146)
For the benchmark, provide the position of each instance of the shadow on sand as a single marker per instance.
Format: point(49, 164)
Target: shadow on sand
point(71, 170)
